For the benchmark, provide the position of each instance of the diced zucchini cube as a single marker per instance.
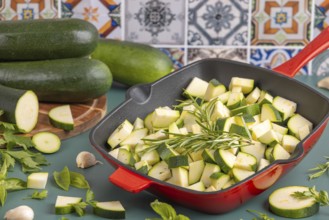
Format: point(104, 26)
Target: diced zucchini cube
point(207, 171)
point(214, 89)
point(197, 87)
point(120, 133)
point(195, 171)
point(163, 117)
point(247, 85)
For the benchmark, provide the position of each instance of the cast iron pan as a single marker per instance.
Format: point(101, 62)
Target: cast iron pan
point(142, 99)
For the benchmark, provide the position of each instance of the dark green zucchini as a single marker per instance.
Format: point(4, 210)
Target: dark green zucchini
point(62, 80)
point(46, 39)
point(132, 63)
point(20, 107)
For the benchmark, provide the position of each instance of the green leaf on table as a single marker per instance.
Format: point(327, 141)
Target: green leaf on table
point(166, 211)
point(62, 178)
point(30, 161)
point(5, 126)
point(319, 170)
point(39, 195)
point(78, 180)
point(3, 194)
point(80, 208)
point(15, 140)
point(260, 215)
point(13, 184)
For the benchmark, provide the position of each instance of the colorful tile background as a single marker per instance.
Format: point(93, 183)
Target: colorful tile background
point(261, 32)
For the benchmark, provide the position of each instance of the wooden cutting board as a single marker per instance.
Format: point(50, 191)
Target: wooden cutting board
point(85, 116)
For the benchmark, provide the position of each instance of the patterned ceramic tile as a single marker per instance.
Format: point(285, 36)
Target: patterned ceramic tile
point(321, 16)
point(271, 58)
point(218, 22)
point(281, 22)
point(28, 9)
point(176, 55)
point(104, 14)
point(155, 21)
point(320, 64)
point(195, 54)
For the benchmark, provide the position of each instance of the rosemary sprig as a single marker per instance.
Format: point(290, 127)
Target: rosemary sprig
point(319, 170)
point(209, 138)
point(260, 215)
point(320, 197)
point(195, 142)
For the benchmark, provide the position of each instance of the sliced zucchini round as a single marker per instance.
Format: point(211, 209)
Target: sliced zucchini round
point(46, 142)
point(283, 204)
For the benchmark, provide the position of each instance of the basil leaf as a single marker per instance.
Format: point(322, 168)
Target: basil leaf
point(182, 217)
point(39, 195)
point(3, 194)
point(12, 184)
point(165, 210)
point(78, 180)
point(62, 178)
point(90, 196)
point(79, 208)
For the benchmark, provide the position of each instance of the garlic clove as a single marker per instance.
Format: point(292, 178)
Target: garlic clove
point(22, 212)
point(86, 159)
point(324, 83)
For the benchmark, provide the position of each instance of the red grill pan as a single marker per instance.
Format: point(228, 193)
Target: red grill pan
point(142, 99)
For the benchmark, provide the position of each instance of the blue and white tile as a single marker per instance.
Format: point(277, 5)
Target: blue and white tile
point(155, 21)
point(271, 58)
point(216, 22)
point(237, 54)
point(321, 16)
point(105, 15)
point(176, 55)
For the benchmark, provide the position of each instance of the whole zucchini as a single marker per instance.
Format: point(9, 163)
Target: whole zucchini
point(62, 80)
point(132, 63)
point(46, 39)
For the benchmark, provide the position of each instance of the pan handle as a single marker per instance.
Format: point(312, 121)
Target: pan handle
point(314, 48)
point(129, 181)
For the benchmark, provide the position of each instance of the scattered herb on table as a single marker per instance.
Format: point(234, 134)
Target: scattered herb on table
point(10, 184)
point(320, 197)
point(38, 195)
point(319, 170)
point(166, 211)
point(80, 208)
point(66, 178)
point(260, 215)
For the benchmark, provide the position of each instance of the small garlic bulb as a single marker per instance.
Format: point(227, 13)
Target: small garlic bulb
point(323, 83)
point(86, 159)
point(22, 212)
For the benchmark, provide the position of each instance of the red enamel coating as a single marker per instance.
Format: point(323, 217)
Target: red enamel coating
point(314, 48)
point(226, 200)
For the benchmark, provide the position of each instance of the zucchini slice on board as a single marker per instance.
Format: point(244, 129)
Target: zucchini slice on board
point(20, 107)
point(283, 204)
point(61, 117)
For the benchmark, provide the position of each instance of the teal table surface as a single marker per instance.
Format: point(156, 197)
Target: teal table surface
point(138, 205)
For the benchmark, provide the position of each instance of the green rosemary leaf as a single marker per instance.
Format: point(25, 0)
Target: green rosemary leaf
point(260, 215)
point(319, 170)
